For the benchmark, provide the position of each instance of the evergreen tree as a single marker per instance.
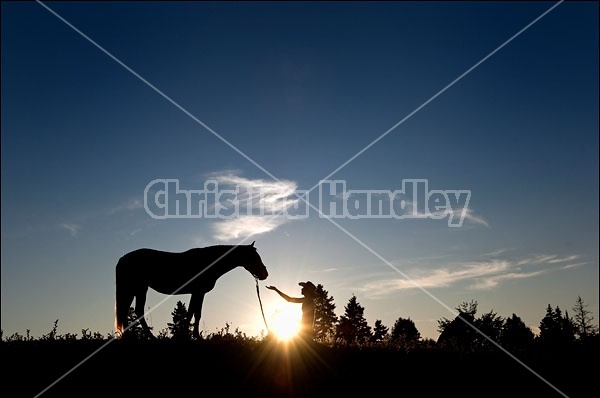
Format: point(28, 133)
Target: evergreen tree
point(556, 330)
point(380, 332)
point(569, 329)
point(405, 334)
point(516, 336)
point(550, 326)
point(352, 327)
point(583, 320)
point(325, 318)
point(180, 328)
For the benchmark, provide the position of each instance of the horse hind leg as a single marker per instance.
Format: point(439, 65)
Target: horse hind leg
point(124, 301)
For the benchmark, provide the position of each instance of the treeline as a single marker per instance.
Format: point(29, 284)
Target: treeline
point(467, 332)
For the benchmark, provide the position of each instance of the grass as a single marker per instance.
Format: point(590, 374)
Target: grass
point(231, 363)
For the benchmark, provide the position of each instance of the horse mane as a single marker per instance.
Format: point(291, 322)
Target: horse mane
point(218, 248)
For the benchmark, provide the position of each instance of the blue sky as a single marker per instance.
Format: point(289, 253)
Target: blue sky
point(300, 88)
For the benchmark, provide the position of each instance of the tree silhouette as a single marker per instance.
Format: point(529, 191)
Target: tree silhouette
point(135, 330)
point(457, 334)
point(583, 321)
point(556, 330)
point(516, 336)
point(352, 327)
point(325, 317)
point(550, 327)
point(490, 325)
point(569, 330)
point(180, 328)
point(380, 332)
point(405, 334)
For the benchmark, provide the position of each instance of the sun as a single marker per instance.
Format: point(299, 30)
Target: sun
point(285, 321)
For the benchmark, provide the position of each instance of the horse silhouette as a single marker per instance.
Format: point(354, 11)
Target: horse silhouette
point(194, 272)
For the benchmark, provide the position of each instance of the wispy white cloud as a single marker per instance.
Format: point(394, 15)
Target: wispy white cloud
point(563, 259)
point(484, 274)
point(72, 228)
point(546, 258)
point(576, 265)
point(467, 213)
point(131, 204)
point(272, 196)
point(243, 226)
point(495, 253)
point(266, 197)
point(436, 278)
point(475, 219)
point(494, 280)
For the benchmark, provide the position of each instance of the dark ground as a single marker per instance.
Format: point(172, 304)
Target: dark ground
point(231, 368)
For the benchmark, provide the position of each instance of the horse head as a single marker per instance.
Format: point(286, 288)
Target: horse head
point(254, 264)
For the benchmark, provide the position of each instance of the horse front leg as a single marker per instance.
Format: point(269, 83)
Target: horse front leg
point(140, 302)
point(195, 310)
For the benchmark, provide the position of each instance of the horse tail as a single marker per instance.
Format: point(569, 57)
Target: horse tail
point(123, 297)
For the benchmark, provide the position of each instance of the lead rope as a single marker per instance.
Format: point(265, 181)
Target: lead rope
point(261, 306)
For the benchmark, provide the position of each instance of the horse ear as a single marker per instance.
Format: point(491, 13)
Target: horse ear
point(252, 244)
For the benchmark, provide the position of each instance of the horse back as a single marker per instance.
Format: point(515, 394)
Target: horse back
point(168, 271)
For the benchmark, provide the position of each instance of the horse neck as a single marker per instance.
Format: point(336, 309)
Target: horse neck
point(231, 261)
point(229, 265)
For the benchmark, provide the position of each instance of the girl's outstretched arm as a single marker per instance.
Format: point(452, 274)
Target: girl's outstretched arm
point(285, 296)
